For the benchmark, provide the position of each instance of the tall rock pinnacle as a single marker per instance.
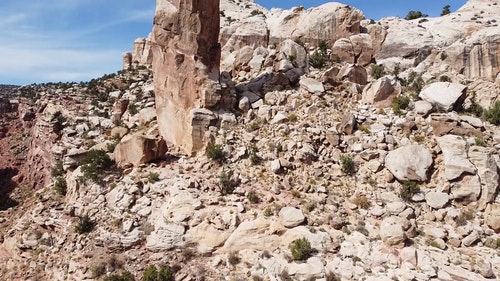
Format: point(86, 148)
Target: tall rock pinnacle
point(186, 58)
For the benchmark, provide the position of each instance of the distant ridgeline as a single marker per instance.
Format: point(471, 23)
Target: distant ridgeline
point(6, 90)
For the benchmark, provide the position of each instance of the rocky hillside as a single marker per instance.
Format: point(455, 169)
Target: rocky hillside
point(308, 156)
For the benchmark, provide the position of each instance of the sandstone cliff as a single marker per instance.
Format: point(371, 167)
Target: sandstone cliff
point(186, 58)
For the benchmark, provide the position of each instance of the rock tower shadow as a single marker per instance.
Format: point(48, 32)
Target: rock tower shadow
point(7, 185)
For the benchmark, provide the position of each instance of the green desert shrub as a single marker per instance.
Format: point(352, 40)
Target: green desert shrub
point(125, 276)
point(153, 177)
point(84, 225)
point(415, 15)
point(377, 71)
point(58, 170)
point(493, 114)
point(61, 186)
point(318, 59)
point(347, 164)
point(444, 78)
point(253, 197)
point(163, 273)
point(94, 163)
point(399, 103)
point(233, 258)
point(226, 183)
point(446, 10)
point(301, 249)
point(408, 189)
point(214, 152)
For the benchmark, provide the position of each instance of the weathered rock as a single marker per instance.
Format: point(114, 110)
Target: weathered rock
point(146, 115)
point(445, 96)
point(493, 217)
point(467, 189)
point(344, 49)
point(471, 238)
point(126, 60)
point(139, 149)
point(294, 53)
point(165, 237)
point(327, 22)
point(246, 32)
point(381, 92)
point(355, 49)
point(348, 123)
point(437, 200)
point(483, 160)
point(291, 217)
point(254, 234)
point(142, 53)
point(454, 150)
point(186, 58)
point(311, 85)
point(391, 231)
point(411, 162)
point(275, 166)
point(353, 72)
point(423, 107)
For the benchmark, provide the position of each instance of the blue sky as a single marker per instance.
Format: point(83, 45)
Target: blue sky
point(76, 40)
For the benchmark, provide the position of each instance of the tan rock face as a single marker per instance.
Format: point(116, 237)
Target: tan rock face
point(186, 58)
point(142, 53)
point(328, 22)
point(138, 149)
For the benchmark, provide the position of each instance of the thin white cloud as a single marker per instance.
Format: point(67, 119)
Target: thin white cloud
point(55, 40)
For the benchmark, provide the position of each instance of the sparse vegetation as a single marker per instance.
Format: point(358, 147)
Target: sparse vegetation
point(361, 202)
point(408, 189)
point(132, 108)
point(296, 193)
point(474, 108)
point(377, 71)
point(293, 117)
point(230, 20)
point(415, 15)
point(364, 129)
point(226, 183)
point(301, 249)
point(214, 152)
point(492, 115)
point(61, 186)
point(253, 197)
point(446, 10)
point(233, 258)
point(480, 141)
point(464, 217)
point(399, 103)
point(58, 169)
point(163, 273)
point(256, 12)
point(347, 164)
point(319, 58)
point(125, 276)
point(419, 138)
point(99, 270)
point(254, 157)
point(268, 211)
point(254, 126)
point(94, 164)
point(153, 177)
point(84, 225)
